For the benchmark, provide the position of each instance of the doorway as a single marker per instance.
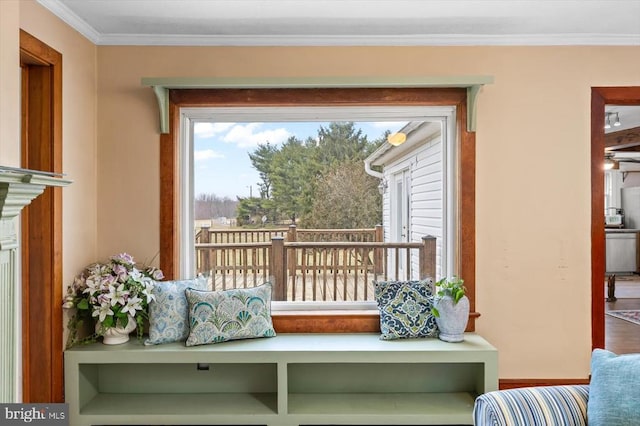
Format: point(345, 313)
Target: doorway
point(600, 97)
point(41, 147)
point(622, 222)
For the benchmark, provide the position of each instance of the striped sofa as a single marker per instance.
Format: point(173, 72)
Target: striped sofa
point(534, 406)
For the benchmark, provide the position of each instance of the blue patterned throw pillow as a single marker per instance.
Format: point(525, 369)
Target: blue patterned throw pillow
point(220, 316)
point(614, 389)
point(405, 309)
point(169, 312)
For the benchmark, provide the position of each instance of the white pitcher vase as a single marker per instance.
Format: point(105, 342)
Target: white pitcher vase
point(116, 335)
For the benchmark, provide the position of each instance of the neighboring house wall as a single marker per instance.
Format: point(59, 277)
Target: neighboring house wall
point(424, 165)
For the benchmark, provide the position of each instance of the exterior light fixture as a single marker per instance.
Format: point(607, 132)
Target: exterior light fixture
point(382, 186)
point(608, 164)
point(396, 139)
point(607, 123)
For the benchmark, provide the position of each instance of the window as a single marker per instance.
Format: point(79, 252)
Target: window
point(612, 184)
point(185, 105)
point(310, 159)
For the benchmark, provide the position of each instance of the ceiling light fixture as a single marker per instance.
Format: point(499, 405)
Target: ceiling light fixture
point(396, 139)
point(617, 122)
point(607, 120)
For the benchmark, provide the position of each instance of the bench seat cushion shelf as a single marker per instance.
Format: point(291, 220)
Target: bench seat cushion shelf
point(290, 379)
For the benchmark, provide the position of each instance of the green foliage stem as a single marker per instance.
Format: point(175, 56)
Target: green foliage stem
point(452, 287)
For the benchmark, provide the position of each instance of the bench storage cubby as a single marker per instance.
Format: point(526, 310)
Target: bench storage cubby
point(291, 379)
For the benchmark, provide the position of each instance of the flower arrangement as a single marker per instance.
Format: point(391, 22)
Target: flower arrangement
point(112, 293)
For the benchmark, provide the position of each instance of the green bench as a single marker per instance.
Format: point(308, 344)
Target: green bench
point(291, 379)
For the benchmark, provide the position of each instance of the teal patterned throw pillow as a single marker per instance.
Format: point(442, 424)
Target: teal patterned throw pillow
point(405, 309)
point(169, 312)
point(220, 316)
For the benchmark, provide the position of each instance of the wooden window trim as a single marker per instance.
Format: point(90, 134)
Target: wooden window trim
point(170, 180)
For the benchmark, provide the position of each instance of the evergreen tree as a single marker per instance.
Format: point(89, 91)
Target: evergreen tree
point(262, 159)
point(292, 173)
point(321, 180)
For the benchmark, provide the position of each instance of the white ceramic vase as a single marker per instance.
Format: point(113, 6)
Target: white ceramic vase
point(117, 335)
point(453, 318)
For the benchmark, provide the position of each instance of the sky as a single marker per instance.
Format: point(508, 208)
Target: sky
point(221, 151)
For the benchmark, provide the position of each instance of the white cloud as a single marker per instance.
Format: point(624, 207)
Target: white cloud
point(249, 136)
point(207, 130)
point(206, 154)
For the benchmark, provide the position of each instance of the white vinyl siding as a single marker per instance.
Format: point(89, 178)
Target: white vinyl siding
point(426, 197)
point(425, 164)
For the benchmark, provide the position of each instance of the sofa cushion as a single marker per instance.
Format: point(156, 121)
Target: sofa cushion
point(405, 309)
point(614, 393)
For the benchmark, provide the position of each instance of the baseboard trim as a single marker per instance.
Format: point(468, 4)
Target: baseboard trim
point(523, 383)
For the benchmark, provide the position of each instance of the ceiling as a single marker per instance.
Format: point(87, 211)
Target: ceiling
point(629, 117)
point(358, 22)
point(352, 22)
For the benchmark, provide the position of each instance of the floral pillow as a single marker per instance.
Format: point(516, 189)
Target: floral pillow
point(169, 312)
point(405, 309)
point(220, 316)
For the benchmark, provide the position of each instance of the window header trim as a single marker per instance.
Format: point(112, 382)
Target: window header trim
point(162, 85)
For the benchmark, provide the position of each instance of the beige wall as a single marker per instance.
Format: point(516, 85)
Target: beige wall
point(79, 108)
point(533, 188)
point(9, 84)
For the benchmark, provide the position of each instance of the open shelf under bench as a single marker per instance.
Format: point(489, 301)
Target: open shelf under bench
point(287, 380)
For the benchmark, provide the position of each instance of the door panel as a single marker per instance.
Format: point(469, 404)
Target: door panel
point(401, 219)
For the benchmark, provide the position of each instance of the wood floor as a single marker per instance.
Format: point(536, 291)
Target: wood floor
point(623, 336)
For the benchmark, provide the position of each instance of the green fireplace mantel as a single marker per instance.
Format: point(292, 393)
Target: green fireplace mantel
point(162, 85)
point(18, 187)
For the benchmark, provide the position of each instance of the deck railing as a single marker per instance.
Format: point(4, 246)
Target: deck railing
point(229, 236)
point(315, 271)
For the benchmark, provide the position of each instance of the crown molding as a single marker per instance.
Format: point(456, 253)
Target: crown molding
point(372, 40)
point(74, 21)
point(594, 39)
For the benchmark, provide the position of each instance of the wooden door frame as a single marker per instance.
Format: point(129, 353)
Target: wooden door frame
point(601, 96)
point(41, 147)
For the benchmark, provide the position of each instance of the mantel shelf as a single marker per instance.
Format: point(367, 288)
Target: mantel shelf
point(18, 187)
